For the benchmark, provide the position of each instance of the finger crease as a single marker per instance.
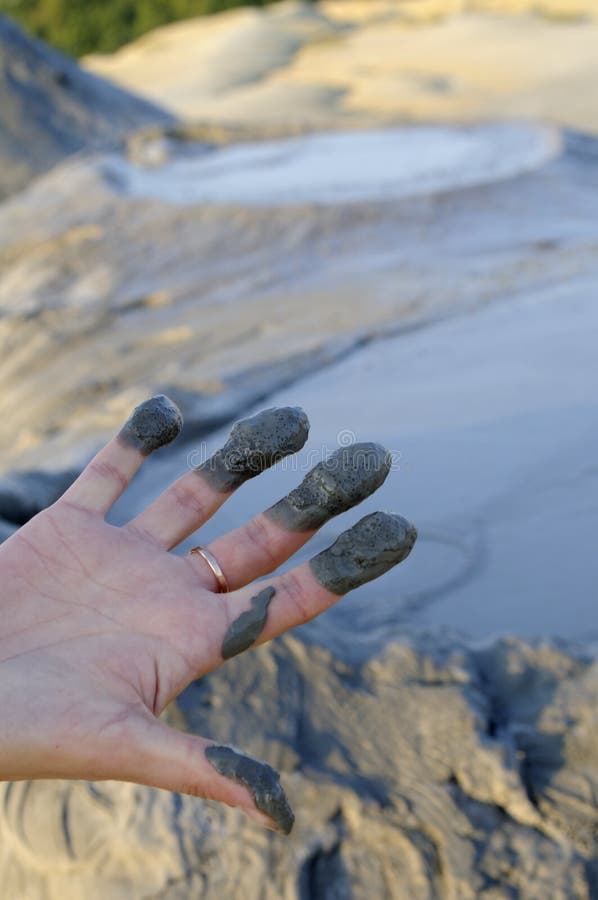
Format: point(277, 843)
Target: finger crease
point(187, 498)
point(143, 534)
point(109, 472)
point(258, 536)
point(296, 595)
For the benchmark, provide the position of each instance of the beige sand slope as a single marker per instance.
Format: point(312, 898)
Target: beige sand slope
point(364, 61)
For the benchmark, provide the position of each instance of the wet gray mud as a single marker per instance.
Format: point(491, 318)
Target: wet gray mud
point(152, 425)
point(246, 629)
point(262, 780)
point(332, 487)
point(254, 445)
point(364, 552)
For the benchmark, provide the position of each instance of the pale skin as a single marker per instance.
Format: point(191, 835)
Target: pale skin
point(102, 627)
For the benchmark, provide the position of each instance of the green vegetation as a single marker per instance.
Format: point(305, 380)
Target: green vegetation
point(89, 26)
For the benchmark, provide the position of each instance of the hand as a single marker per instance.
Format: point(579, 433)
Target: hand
point(102, 627)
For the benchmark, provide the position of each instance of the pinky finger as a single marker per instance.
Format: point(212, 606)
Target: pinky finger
point(151, 425)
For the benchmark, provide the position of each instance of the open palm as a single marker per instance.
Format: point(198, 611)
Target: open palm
point(102, 627)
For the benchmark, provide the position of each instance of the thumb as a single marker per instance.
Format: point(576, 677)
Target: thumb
point(160, 756)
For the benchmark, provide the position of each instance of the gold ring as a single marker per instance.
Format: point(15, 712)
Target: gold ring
point(214, 566)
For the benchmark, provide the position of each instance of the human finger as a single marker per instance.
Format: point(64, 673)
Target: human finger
point(151, 425)
point(253, 445)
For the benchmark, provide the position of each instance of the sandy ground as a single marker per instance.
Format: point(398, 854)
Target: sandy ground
point(355, 63)
point(434, 771)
